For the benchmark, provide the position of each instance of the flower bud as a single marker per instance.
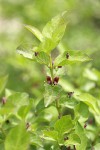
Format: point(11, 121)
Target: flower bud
point(67, 55)
point(68, 148)
point(74, 147)
point(7, 121)
point(49, 81)
point(85, 125)
point(65, 138)
point(59, 66)
point(4, 100)
point(27, 125)
point(70, 94)
point(36, 53)
point(55, 80)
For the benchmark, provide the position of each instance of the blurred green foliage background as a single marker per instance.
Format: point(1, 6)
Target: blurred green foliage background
point(82, 33)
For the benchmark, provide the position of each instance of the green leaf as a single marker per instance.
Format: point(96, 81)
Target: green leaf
point(36, 140)
point(90, 74)
point(64, 125)
point(35, 31)
point(81, 111)
point(97, 146)
point(67, 102)
point(90, 101)
point(75, 56)
point(51, 94)
point(14, 102)
point(3, 81)
point(80, 132)
point(43, 58)
point(23, 111)
point(17, 138)
point(51, 135)
point(53, 32)
point(40, 106)
point(27, 50)
point(73, 139)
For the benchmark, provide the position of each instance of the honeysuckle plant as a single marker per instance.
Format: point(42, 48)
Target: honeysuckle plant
point(27, 124)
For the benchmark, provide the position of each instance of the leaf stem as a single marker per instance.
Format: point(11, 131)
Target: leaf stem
point(51, 68)
point(58, 108)
point(56, 100)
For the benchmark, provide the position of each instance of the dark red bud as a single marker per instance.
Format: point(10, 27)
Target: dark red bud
point(59, 66)
point(7, 121)
point(55, 80)
point(70, 94)
point(4, 100)
point(74, 147)
point(68, 148)
point(85, 125)
point(49, 81)
point(27, 125)
point(36, 53)
point(67, 55)
point(65, 138)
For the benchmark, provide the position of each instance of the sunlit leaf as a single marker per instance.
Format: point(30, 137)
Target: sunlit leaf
point(51, 94)
point(14, 102)
point(26, 50)
point(80, 132)
point(73, 139)
point(90, 101)
point(81, 111)
point(51, 135)
point(74, 56)
point(43, 58)
point(97, 146)
point(64, 125)
point(35, 31)
point(53, 32)
point(17, 138)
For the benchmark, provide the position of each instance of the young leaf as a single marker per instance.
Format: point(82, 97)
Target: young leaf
point(80, 132)
point(35, 139)
point(97, 146)
point(35, 31)
point(26, 50)
point(51, 135)
point(24, 110)
point(90, 101)
point(14, 102)
point(51, 93)
point(81, 111)
point(53, 32)
point(67, 102)
point(40, 106)
point(64, 125)
point(17, 138)
point(73, 139)
point(43, 58)
point(74, 56)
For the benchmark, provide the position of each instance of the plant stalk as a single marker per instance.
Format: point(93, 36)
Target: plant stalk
point(57, 100)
